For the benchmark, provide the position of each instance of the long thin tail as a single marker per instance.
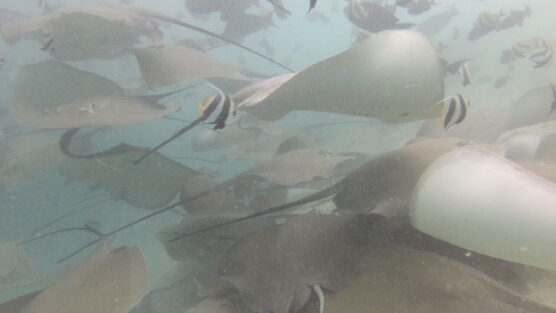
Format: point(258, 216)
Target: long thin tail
point(175, 21)
point(311, 198)
point(174, 136)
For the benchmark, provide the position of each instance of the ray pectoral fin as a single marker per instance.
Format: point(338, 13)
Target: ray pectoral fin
point(174, 136)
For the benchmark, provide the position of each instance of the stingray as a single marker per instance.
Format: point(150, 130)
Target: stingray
point(534, 106)
point(108, 280)
point(388, 194)
point(382, 185)
point(276, 269)
point(15, 266)
point(54, 95)
point(397, 279)
point(409, 84)
point(27, 159)
point(217, 203)
point(149, 185)
point(98, 31)
point(410, 80)
point(17, 304)
point(204, 253)
point(524, 142)
point(169, 64)
point(297, 166)
point(510, 215)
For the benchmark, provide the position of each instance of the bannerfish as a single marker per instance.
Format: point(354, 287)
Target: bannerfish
point(485, 23)
point(523, 48)
point(373, 17)
point(214, 110)
point(542, 57)
point(464, 74)
point(516, 18)
point(454, 110)
point(420, 6)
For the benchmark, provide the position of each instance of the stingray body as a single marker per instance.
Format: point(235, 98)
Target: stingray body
point(275, 268)
point(15, 266)
point(383, 185)
point(534, 106)
point(169, 64)
point(397, 279)
point(297, 166)
point(449, 204)
point(26, 159)
point(99, 31)
point(149, 185)
point(109, 280)
point(17, 304)
point(394, 76)
point(53, 95)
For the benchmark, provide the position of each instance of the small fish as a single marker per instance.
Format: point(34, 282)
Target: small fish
point(464, 73)
point(542, 57)
point(490, 21)
point(214, 110)
point(515, 18)
point(217, 109)
point(420, 6)
point(373, 17)
point(523, 48)
point(454, 110)
point(484, 24)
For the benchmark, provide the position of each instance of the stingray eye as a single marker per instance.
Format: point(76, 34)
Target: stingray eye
point(203, 105)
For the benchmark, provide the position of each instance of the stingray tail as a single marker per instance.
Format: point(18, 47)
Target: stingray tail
point(174, 136)
point(311, 198)
point(175, 21)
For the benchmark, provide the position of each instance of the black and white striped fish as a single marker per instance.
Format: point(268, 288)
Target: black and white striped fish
point(464, 74)
point(454, 110)
point(523, 48)
point(213, 110)
point(543, 56)
point(217, 109)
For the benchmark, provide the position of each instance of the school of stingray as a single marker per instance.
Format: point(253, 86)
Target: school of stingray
point(277, 156)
